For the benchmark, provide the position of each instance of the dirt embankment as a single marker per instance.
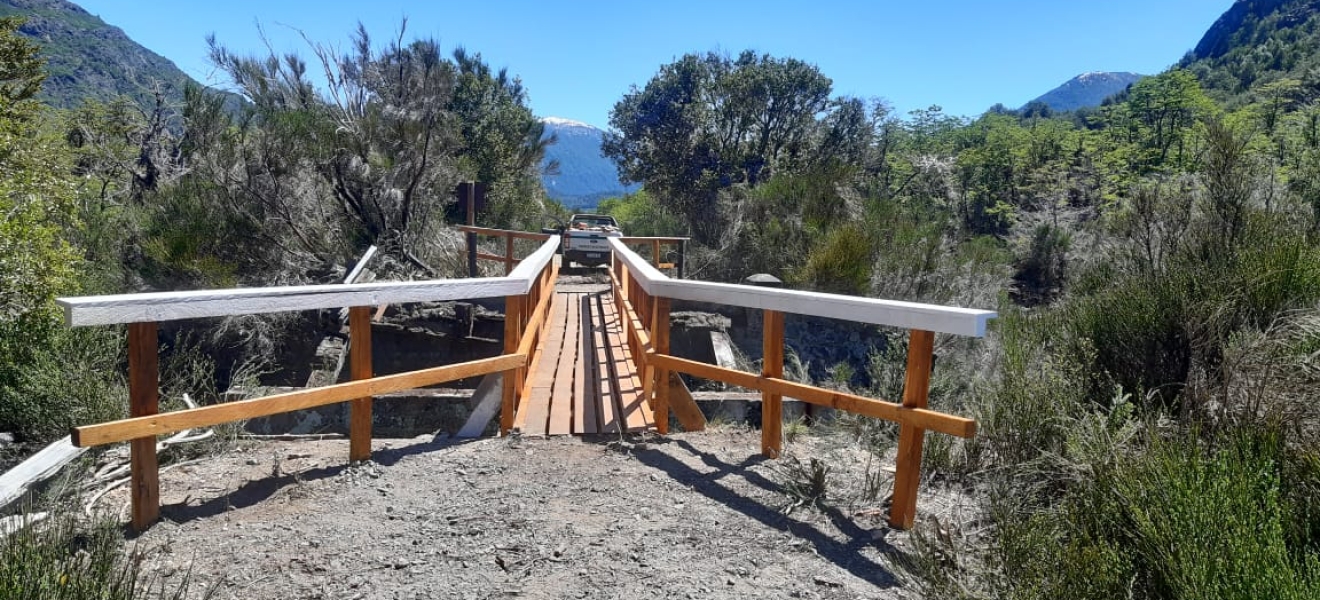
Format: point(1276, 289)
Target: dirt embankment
point(690, 516)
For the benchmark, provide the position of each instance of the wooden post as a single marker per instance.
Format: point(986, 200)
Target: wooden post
point(682, 258)
point(660, 339)
point(916, 388)
point(512, 332)
point(144, 399)
point(655, 252)
point(508, 255)
point(360, 367)
point(472, 254)
point(772, 365)
point(472, 203)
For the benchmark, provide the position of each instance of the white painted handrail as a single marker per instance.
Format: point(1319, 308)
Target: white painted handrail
point(169, 306)
point(892, 313)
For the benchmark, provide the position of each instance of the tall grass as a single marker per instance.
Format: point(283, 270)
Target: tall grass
point(63, 558)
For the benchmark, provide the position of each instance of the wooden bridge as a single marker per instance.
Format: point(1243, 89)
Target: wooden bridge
point(575, 362)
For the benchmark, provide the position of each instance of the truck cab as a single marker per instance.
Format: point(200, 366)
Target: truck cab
point(585, 239)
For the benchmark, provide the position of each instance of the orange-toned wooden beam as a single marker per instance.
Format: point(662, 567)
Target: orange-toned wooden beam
point(143, 392)
point(660, 331)
point(772, 367)
point(360, 368)
point(911, 436)
point(206, 416)
point(512, 381)
point(870, 407)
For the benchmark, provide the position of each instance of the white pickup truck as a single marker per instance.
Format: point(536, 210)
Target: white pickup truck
point(584, 239)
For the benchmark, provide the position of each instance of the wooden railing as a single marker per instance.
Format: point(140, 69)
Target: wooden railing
point(644, 295)
point(508, 258)
point(527, 290)
point(677, 258)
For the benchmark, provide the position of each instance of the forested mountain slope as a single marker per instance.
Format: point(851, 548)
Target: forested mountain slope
point(88, 59)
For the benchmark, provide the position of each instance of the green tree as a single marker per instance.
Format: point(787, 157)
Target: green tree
point(374, 158)
point(709, 122)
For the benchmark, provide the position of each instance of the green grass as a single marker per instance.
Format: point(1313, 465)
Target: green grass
point(65, 559)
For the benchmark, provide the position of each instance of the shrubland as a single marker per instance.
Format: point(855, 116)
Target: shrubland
point(1146, 400)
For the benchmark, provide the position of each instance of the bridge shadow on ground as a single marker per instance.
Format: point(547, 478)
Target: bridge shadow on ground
point(846, 555)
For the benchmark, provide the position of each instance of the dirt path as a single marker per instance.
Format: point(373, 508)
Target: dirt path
point(691, 516)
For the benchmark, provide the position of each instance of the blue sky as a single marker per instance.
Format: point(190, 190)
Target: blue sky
point(578, 58)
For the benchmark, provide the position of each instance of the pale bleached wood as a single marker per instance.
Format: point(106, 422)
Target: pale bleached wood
point(39, 467)
point(207, 416)
point(361, 264)
point(169, 306)
point(870, 407)
point(722, 346)
point(487, 401)
point(892, 313)
point(535, 263)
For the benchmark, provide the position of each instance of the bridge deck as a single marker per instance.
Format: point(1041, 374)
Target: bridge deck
point(583, 380)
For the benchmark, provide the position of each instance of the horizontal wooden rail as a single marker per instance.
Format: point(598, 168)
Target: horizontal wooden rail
point(669, 241)
point(161, 424)
point(522, 235)
point(922, 418)
point(893, 313)
point(644, 287)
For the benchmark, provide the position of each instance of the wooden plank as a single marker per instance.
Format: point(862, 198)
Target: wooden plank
point(487, 404)
point(512, 382)
point(772, 366)
point(588, 369)
point(627, 384)
point(361, 264)
point(143, 403)
point(660, 339)
point(169, 306)
point(206, 416)
point(870, 407)
point(360, 368)
point(561, 399)
point(522, 235)
point(520, 420)
point(584, 406)
point(893, 313)
point(16, 482)
point(684, 405)
point(509, 260)
point(534, 417)
point(610, 417)
point(723, 348)
point(916, 389)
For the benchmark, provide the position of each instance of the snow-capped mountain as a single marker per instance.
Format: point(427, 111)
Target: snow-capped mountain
point(1087, 89)
point(585, 177)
